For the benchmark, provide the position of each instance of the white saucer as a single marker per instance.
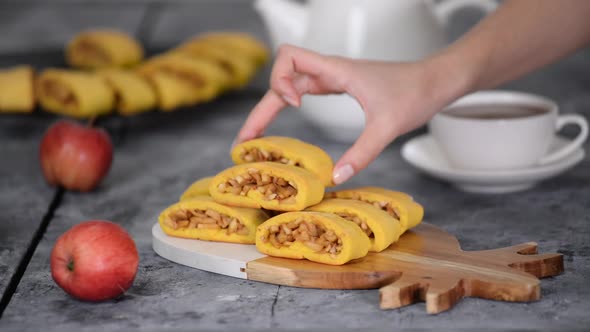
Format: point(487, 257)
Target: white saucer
point(424, 153)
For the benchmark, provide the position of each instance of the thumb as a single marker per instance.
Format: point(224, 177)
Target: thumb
point(374, 138)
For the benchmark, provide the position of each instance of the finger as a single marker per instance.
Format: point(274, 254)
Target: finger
point(261, 116)
point(304, 84)
point(374, 138)
point(294, 62)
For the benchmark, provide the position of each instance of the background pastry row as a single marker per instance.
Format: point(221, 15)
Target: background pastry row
point(109, 74)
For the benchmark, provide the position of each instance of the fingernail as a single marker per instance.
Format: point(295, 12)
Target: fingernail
point(289, 100)
point(342, 174)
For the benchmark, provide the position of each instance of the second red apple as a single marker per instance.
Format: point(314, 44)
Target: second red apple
point(75, 156)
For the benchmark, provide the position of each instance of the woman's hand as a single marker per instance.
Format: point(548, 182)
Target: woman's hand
point(396, 98)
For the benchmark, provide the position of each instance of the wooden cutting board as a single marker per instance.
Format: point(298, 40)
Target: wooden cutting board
point(426, 264)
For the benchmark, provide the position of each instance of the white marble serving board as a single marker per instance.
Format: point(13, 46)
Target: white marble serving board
point(229, 259)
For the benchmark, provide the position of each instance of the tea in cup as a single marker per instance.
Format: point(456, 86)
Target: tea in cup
point(500, 130)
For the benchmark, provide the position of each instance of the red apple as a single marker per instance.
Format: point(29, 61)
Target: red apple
point(74, 156)
point(95, 260)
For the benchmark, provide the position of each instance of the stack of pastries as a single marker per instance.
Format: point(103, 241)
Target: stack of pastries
point(109, 73)
point(275, 197)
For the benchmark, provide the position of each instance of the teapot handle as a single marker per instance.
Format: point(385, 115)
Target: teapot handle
point(445, 9)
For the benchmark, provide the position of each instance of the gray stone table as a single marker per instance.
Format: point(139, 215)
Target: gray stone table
point(157, 155)
point(24, 196)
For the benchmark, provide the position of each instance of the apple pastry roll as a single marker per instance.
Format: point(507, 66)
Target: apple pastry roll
point(172, 93)
point(74, 93)
point(133, 94)
point(103, 48)
point(239, 43)
point(197, 188)
point(180, 80)
point(399, 205)
point(16, 90)
point(381, 228)
point(286, 150)
point(316, 236)
point(204, 219)
point(240, 69)
point(267, 185)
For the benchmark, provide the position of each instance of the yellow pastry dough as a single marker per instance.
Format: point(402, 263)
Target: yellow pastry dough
point(240, 69)
point(316, 236)
point(16, 90)
point(133, 94)
point(204, 219)
point(381, 228)
point(239, 43)
point(197, 188)
point(103, 48)
point(74, 93)
point(180, 80)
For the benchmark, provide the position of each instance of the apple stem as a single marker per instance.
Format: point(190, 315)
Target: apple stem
point(71, 265)
point(91, 122)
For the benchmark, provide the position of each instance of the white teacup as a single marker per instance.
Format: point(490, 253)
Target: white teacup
point(498, 130)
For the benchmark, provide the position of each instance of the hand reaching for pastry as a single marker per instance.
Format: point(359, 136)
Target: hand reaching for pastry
point(396, 98)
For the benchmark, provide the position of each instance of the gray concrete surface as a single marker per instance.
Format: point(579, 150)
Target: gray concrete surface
point(41, 25)
point(158, 154)
point(24, 197)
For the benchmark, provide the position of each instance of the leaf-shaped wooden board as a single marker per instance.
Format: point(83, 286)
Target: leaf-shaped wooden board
point(426, 264)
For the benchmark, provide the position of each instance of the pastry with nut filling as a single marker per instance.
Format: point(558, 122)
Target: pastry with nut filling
point(103, 48)
point(316, 236)
point(399, 205)
point(133, 94)
point(240, 69)
point(381, 228)
point(288, 151)
point(202, 218)
point(74, 93)
point(180, 80)
point(267, 185)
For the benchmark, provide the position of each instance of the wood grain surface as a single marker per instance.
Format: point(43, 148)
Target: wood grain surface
point(426, 264)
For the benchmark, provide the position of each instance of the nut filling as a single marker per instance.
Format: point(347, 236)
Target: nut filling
point(360, 222)
point(272, 187)
point(256, 154)
point(59, 92)
point(205, 219)
point(385, 206)
point(313, 236)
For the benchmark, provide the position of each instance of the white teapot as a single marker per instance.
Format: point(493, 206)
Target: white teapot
point(399, 30)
